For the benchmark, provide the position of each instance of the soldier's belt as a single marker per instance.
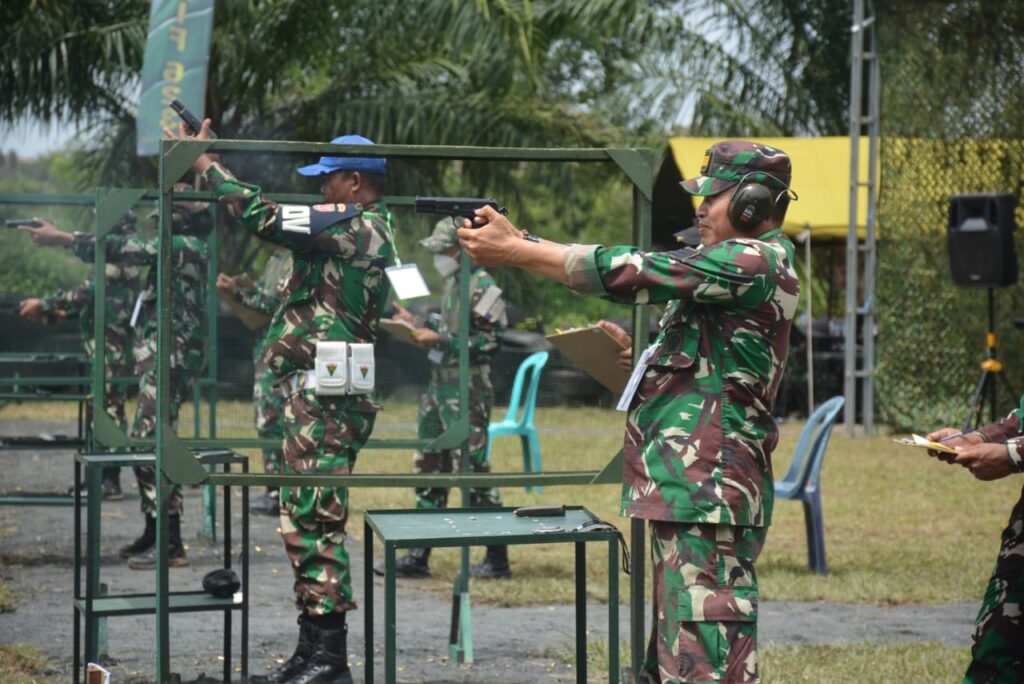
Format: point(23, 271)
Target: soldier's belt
point(447, 374)
point(299, 380)
point(339, 368)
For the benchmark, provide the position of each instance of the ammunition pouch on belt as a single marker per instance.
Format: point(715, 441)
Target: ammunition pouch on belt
point(339, 368)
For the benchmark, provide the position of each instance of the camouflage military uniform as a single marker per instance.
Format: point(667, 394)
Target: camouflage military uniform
point(699, 432)
point(189, 264)
point(122, 285)
point(268, 401)
point(997, 656)
point(439, 407)
point(336, 292)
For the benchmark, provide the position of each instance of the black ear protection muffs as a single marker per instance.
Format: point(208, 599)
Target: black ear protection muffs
point(753, 202)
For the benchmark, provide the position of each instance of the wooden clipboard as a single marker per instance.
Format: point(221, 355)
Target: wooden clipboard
point(596, 352)
point(400, 330)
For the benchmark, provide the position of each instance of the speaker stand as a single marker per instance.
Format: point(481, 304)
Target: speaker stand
point(991, 369)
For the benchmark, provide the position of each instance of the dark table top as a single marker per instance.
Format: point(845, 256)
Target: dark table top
point(464, 526)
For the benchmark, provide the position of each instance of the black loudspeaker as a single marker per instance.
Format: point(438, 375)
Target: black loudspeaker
point(980, 239)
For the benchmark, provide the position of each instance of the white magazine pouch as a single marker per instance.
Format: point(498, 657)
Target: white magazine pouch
point(331, 368)
point(360, 368)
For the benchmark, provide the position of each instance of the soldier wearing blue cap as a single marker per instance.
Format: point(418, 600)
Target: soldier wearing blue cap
point(336, 293)
point(378, 166)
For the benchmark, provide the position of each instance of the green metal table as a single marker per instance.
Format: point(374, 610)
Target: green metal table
point(462, 527)
point(94, 607)
point(38, 388)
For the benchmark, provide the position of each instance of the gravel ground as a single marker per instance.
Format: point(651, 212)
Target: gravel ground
point(511, 644)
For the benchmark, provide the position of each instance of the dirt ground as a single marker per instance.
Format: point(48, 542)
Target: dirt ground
point(511, 645)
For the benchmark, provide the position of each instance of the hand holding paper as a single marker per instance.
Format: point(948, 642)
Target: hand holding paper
point(594, 350)
point(400, 330)
point(919, 441)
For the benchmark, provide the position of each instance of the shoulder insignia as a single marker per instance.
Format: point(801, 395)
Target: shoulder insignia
point(300, 223)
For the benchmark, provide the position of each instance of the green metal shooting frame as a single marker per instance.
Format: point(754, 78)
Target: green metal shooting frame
point(175, 462)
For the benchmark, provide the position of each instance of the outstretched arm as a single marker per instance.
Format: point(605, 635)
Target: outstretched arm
point(46, 234)
point(495, 241)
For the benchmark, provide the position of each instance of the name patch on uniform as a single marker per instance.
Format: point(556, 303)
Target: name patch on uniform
point(295, 218)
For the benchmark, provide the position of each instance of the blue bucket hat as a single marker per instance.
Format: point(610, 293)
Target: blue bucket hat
point(331, 164)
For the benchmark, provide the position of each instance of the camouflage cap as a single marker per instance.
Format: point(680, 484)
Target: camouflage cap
point(727, 162)
point(445, 236)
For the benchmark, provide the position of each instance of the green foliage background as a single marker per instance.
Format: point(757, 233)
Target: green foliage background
point(952, 124)
point(27, 270)
point(616, 73)
point(604, 73)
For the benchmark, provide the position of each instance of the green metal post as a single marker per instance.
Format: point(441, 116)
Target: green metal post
point(111, 205)
point(642, 238)
point(99, 301)
point(368, 604)
point(212, 304)
point(613, 610)
point(463, 650)
point(94, 493)
point(581, 612)
point(209, 490)
point(390, 623)
point(163, 412)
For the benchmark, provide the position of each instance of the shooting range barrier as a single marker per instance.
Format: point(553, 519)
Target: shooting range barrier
point(177, 464)
point(218, 422)
point(97, 432)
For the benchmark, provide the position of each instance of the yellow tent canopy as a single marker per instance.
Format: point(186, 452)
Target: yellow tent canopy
point(821, 177)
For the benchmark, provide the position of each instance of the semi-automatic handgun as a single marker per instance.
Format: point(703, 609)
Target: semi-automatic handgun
point(456, 206)
point(17, 223)
point(192, 123)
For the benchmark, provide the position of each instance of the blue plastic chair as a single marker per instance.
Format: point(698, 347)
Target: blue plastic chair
point(802, 480)
point(519, 416)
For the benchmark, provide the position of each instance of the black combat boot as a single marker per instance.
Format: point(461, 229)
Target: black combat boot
point(494, 565)
point(413, 564)
point(176, 556)
point(143, 543)
point(329, 664)
point(309, 639)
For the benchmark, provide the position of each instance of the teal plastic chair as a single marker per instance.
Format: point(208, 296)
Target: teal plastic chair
point(519, 416)
point(802, 480)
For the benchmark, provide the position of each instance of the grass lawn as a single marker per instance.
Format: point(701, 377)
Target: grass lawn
point(900, 526)
point(840, 664)
point(23, 665)
point(8, 601)
point(901, 663)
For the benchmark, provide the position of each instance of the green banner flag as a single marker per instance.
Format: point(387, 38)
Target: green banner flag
point(177, 54)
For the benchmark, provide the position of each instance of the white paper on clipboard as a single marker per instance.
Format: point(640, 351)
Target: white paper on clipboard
point(407, 281)
point(634, 380)
point(136, 310)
